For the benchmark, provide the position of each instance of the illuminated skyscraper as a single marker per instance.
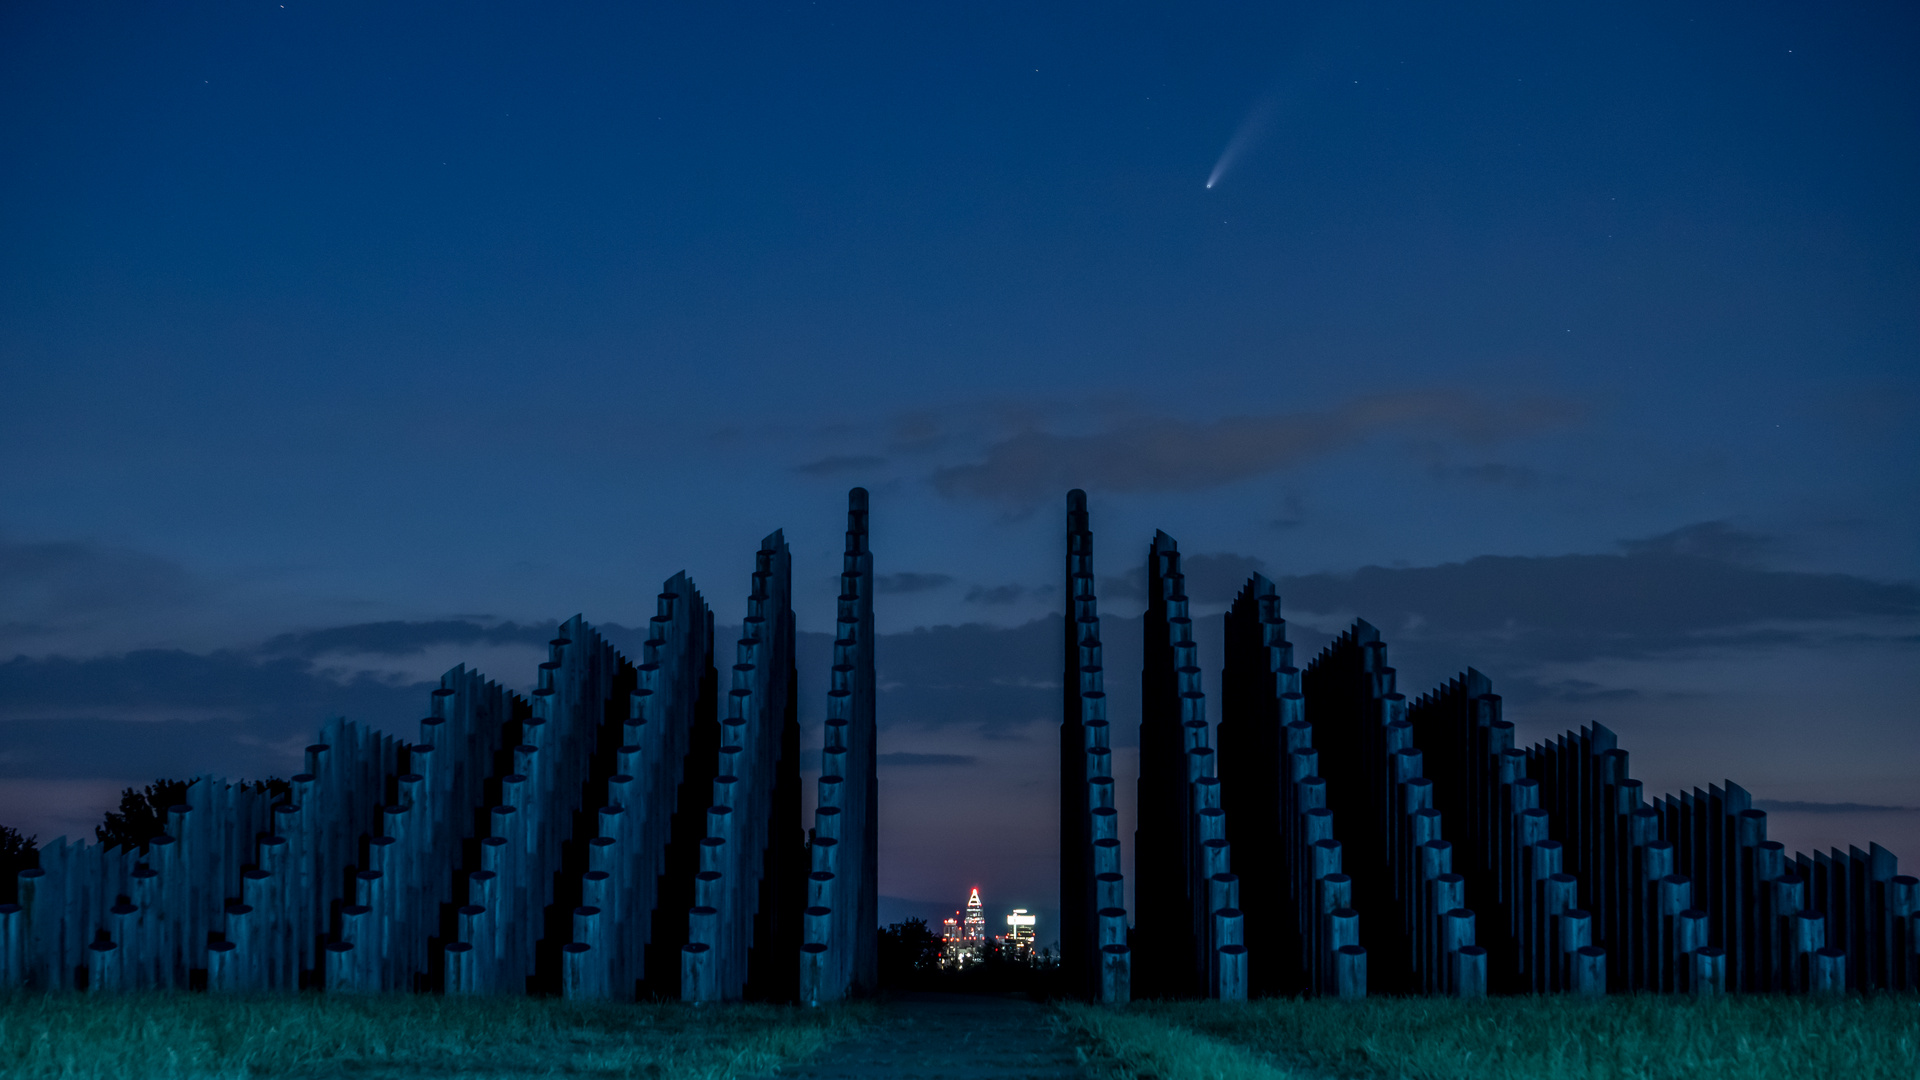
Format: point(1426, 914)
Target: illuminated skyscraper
point(1019, 939)
point(965, 935)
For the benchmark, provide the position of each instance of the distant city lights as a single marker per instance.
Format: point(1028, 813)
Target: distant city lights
point(964, 936)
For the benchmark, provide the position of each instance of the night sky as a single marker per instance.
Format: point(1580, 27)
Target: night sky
point(342, 342)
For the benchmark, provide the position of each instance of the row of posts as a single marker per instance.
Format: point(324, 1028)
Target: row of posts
point(1281, 812)
point(517, 846)
point(1431, 944)
point(235, 895)
point(749, 800)
point(612, 926)
point(1095, 948)
point(839, 955)
point(1189, 897)
point(1559, 874)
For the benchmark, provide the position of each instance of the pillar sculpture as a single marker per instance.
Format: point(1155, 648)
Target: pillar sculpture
point(1190, 925)
point(1094, 950)
point(839, 957)
point(738, 935)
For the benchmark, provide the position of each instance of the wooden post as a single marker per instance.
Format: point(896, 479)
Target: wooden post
point(224, 974)
point(358, 967)
point(457, 968)
point(105, 967)
point(1672, 895)
point(39, 932)
point(1913, 950)
point(1788, 898)
point(1469, 972)
point(245, 924)
point(1447, 898)
point(1877, 939)
point(1709, 976)
point(1808, 936)
point(1332, 893)
point(1743, 939)
point(1557, 897)
point(1456, 933)
point(586, 960)
point(1350, 972)
point(1588, 971)
point(479, 927)
point(1830, 971)
point(1691, 930)
point(698, 979)
point(1529, 867)
point(1116, 974)
point(339, 967)
point(1231, 984)
point(1112, 928)
point(374, 894)
point(1574, 931)
point(1230, 955)
point(579, 975)
point(815, 972)
point(1342, 931)
point(1903, 900)
point(127, 929)
point(13, 967)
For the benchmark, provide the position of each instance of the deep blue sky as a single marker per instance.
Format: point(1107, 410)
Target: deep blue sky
point(323, 315)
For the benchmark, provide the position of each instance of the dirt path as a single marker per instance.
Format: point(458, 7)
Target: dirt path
point(950, 1037)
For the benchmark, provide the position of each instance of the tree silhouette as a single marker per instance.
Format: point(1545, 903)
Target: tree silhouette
point(17, 853)
point(142, 814)
point(909, 953)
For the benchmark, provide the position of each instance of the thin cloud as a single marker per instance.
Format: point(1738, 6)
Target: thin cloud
point(1790, 806)
point(46, 586)
point(1706, 540)
point(1163, 454)
point(1214, 579)
point(997, 594)
point(1491, 474)
point(840, 463)
point(404, 638)
point(1682, 590)
point(909, 581)
point(1211, 578)
point(903, 759)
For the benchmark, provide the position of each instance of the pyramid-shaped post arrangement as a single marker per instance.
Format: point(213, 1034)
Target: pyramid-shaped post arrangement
point(839, 957)
point(1095, 953)
point(1292, 887)
point(633, 830)
point(738, 936)
point(493, 855)
point(606, 919)
point(1190, 926)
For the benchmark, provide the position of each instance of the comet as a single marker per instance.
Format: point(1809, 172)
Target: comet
point(1245, 137)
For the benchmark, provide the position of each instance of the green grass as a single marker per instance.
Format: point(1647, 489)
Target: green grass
point(207, 1036)
point(1638, 1037)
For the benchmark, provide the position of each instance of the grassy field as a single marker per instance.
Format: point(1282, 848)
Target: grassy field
point(1556, 1038)
point(205, 1036)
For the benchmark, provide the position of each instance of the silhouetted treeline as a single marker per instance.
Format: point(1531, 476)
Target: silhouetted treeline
point(143, 814)
point(910, 960)
point(17, 853)
point(909, 953)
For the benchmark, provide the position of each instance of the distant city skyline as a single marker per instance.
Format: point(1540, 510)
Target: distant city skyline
point(966, 933)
